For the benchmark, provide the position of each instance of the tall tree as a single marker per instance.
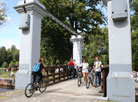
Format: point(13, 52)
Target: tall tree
point(3, 55)
point(56, 47)
point(97, 46)
point(9, 56)
point(2, 12)
point(134, 29)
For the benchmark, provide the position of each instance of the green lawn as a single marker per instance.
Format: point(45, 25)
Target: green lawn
point(4, 74)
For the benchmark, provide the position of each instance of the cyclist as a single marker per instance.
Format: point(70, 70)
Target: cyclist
point(37, 76)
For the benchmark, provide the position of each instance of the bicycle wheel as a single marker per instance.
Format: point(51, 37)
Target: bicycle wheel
point(88, 83)
point(42, 86)
point(92, 80)
point(79, 81)
point(29, 90)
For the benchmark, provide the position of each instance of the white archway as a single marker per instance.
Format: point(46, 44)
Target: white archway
point(120, 84)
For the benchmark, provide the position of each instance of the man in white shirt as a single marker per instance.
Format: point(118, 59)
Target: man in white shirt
point(97, 68)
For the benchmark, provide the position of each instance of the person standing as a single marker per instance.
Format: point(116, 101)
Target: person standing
point(75, 66)
point(84, 66)
point(71, 67)
point(97, 69)
point(12, 70)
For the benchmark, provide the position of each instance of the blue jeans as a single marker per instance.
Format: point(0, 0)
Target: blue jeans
point(97, 78)
point(72, 71)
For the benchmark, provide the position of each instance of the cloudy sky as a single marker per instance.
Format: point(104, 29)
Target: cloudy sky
point(9, 31)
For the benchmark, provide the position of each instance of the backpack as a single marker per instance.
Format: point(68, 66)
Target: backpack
point(36, 67)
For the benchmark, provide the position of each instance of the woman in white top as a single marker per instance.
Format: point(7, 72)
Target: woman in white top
point(84, 66)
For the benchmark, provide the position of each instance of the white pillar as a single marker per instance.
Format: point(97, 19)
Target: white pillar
point(29, 42)
point(120, 83)
point(77, 48)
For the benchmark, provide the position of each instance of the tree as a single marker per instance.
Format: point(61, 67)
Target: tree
point(135, 49)
point(2, 12)
point(17, 63)
point(10, 55)
point(5, 64)
point(3, 55)
point(16, 55)
point(134, 17)
point(56, 47)
point(97, 46)
point(11, 64)
point(134, 29)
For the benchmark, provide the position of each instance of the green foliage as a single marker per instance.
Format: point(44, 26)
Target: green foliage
point(97, 41)
point(56, 47)
point(9, 56)
point(17, 63)
point(134, 18)
point(2, 13)
point(5, 64)
point(3, 55)
point(135, 49)
point(11, 64)
point(134, 29)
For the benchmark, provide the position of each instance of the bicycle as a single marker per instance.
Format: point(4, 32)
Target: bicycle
point(32, 87)
point(90, 79)
point(79, 77)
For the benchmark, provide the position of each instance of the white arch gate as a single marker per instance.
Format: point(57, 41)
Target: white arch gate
point(31, 13)
point(120, 84)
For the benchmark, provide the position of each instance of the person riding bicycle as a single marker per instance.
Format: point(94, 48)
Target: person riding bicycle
point(37, 74)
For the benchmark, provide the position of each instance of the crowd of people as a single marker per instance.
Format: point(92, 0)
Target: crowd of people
point(73, 67)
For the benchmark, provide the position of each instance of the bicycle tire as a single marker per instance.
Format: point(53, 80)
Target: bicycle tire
point(31, 88)
point(79, 81)
point(88, 83)
point(42, 87)
point(92, 82)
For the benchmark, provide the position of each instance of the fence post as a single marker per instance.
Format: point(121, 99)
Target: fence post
point(105, 71)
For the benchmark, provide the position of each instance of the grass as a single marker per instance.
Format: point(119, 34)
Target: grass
point(4, 74)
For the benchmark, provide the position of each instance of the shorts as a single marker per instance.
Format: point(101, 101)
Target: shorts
point(84, 70)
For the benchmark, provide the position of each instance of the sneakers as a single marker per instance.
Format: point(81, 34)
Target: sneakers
point(95, 86)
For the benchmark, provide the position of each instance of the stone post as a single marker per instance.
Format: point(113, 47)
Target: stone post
point(29, 41)
point(120, 83)
point(77, 48)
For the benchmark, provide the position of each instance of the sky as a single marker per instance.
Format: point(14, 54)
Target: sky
point(9, 31)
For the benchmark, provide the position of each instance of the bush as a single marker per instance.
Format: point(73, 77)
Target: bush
point(11, 64)
point(5, 64)
point(17, 63)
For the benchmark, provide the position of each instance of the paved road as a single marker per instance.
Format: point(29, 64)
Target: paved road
point(66, 91)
